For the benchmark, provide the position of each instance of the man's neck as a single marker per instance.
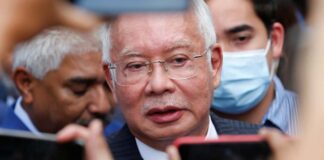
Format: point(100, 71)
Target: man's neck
point(162, 144)
point(256, 114)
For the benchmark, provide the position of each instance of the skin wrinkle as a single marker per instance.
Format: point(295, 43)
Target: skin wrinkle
point(180, 44)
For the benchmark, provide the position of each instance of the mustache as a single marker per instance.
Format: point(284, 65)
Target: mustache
point(165, 100)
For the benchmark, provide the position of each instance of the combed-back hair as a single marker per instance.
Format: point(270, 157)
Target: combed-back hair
point(266, 10)
point(203, 19)
point(46, 51)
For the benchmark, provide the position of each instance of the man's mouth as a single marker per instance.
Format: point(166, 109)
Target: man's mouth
point(165, 114)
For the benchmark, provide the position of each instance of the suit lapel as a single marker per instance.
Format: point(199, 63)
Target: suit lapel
point(226, 126)
point(123, 145)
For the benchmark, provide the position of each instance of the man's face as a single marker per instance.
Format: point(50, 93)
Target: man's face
point(159, 108)
point(76, 92)
point(237, 26)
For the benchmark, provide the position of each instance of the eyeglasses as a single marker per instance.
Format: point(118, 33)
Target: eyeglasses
point(180, 66)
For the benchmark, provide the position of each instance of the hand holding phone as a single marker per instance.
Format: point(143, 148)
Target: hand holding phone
point(20, 145)
point(227, 147)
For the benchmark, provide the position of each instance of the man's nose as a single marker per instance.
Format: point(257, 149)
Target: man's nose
point(159, 81)
point(99, 100)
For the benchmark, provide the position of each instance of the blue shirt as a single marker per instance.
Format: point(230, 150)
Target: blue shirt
point(117, 122)
point(3, 110)
point(283, 111)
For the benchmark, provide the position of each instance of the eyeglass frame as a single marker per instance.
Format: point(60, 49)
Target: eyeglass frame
point(113, 67)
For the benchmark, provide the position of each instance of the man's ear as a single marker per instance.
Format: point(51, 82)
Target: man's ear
point(109, 79)
point(24, 82)
point(277, 37)
point(216, 63)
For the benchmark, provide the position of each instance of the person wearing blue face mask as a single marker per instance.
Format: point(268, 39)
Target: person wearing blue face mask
point(252, 43)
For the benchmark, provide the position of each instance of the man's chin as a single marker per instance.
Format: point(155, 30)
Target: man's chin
point(170, 136)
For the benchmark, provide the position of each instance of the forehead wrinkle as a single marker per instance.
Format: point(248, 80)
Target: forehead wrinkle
point(121, 34)
point(179, 44)
point(127, 51)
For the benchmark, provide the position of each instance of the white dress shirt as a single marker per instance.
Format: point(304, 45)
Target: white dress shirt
point(23, 116)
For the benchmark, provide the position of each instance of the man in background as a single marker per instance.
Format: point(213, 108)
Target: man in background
point(252, 41)
point(59, 77)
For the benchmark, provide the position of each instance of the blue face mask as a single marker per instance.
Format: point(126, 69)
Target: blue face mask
point(245, 80)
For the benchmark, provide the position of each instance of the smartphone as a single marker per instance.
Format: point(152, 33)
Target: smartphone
point(115, 7)
point(231, 147)
point(20, 145)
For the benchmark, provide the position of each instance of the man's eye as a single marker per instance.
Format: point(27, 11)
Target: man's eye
point(135, 66)
point(178, 61)
point(79, 89)
point(241, 39)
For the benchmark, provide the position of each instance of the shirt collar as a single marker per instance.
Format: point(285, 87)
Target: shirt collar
point(279, 112)
point(149, 153)
point(23, 116)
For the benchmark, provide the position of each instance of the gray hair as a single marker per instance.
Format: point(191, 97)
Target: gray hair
point(47, 50)
point(205, 26)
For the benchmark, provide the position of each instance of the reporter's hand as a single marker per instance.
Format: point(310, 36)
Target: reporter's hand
point(283, 146)
point(173, 153)
point(22, 19)
point(96, 147)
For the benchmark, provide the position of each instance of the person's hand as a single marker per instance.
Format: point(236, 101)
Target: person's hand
point(96, 147)
point(173, 153)
point(283, 147)
point(22, 19)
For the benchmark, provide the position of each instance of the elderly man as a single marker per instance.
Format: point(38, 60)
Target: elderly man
point(252, 41)
point(163, 69)
point(59, 76)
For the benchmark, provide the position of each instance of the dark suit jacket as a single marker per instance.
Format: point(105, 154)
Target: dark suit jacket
point(123, 145)
point(11, 121)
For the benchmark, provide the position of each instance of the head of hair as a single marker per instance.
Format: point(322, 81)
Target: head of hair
point(46, 51)
point(266, 10)
point(203, 20)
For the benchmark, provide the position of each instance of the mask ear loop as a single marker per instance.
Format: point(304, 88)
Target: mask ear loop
point(274, 67)
point(269, 43)
point(275, 62)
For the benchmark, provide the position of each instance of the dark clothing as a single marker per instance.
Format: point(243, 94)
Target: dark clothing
point(123, 145)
